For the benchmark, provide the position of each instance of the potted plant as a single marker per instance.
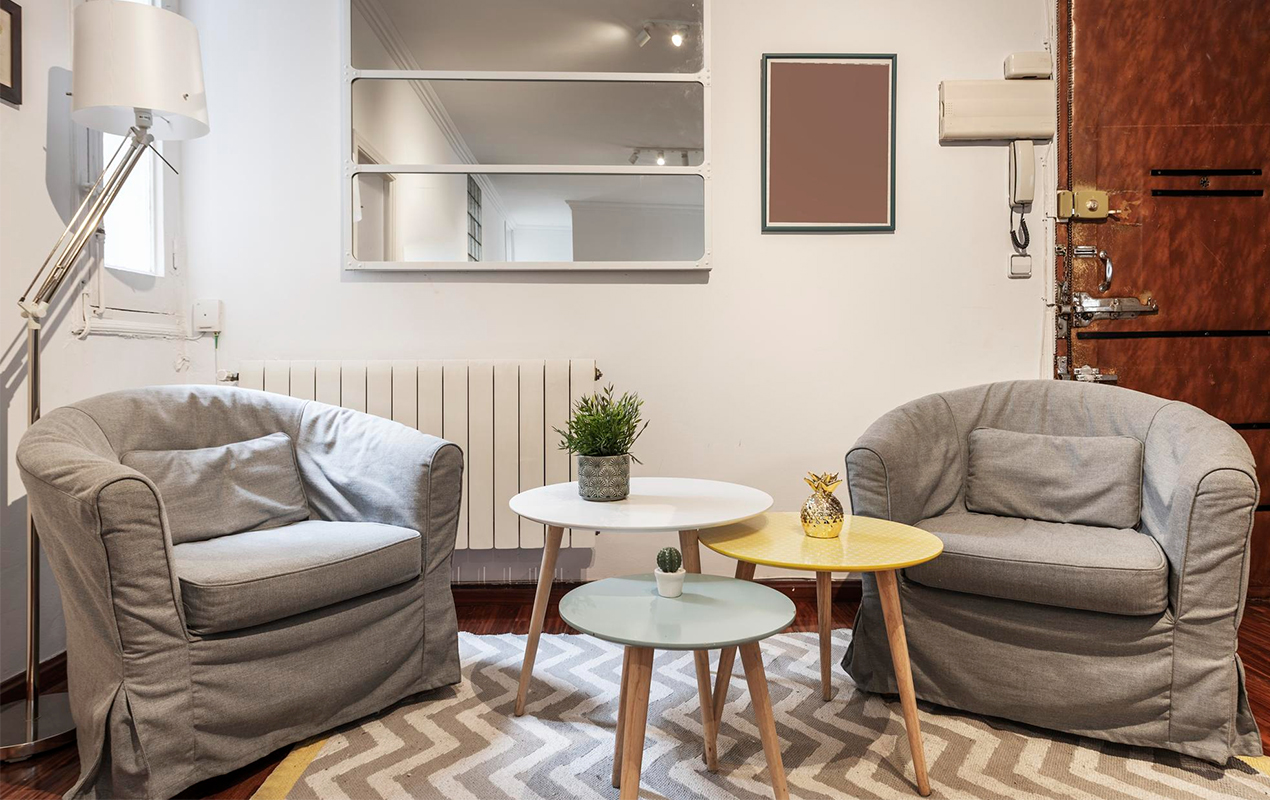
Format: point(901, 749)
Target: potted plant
point(600, 433)
point(670, 572)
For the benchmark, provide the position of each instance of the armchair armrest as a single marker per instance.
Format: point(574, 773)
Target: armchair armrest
point(103, 528)
point(363, 468)
point(909, 465)
point(1199, 494)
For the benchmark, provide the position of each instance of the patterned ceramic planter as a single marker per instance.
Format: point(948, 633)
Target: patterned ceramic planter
point(604, 478)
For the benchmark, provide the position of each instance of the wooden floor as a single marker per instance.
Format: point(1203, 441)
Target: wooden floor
point(50, 775)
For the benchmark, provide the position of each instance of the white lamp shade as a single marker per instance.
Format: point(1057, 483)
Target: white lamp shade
point(130, 56)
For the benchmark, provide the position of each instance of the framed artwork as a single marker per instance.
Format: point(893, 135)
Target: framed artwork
point(828, 142)
point(10, 52)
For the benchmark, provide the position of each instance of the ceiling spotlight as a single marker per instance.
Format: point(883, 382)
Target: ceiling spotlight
point(643, 37)
point(661, 158)
point(677, 38)
point(634, 157)
point(685, 159)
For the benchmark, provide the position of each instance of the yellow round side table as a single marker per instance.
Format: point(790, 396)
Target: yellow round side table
point(865, 545)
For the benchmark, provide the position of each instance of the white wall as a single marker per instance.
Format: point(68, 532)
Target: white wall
point(542, 243)
point(770, 367)
point(34, 168)
point(637, 232)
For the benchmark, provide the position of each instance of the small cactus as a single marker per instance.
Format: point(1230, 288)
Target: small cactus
point(669, 559)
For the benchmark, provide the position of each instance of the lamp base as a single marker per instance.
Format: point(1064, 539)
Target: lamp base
point(53, 728)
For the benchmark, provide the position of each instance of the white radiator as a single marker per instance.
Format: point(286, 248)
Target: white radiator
point(500, 412)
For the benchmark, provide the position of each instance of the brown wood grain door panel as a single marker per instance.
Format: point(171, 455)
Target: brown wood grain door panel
point(1179, 86)
point(1259, 557)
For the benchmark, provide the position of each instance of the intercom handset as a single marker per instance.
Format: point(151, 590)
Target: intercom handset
point(1022, 189)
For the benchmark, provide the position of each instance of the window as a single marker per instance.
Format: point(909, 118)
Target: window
point(576, 132)
point(133, 225)
point(473, 219)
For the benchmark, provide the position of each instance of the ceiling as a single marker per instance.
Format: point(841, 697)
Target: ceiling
point(505, 122)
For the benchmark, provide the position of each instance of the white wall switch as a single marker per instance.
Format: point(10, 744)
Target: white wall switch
point(1020, 266)
point(207, 316)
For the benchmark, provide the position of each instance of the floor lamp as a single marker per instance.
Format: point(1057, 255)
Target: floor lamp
point(138, 73)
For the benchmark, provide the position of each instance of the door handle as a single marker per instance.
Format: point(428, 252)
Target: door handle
point(1089, 251)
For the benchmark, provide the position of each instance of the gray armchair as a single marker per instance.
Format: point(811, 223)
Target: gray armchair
point(1107, 602)
point(191, 655)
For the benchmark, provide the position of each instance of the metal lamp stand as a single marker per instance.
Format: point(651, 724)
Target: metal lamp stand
point(39, 723)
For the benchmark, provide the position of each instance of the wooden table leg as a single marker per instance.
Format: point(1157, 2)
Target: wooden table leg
point(623, 699)
point(640, 680)
point(727, 656)
point(755, 676)
point(888, 589)
point(709, 725)
point(545, 575)
point(824, 618)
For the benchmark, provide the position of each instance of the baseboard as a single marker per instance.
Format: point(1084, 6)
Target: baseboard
point(52, 674)
point(845, 590)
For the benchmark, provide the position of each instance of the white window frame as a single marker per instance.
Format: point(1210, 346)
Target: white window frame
point(349, 168)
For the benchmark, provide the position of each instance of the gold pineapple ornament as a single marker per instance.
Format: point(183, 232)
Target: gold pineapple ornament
point(822, 513)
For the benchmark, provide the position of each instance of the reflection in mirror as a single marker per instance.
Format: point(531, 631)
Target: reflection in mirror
point(531, 122)
point(542, 35)
point(568, 218)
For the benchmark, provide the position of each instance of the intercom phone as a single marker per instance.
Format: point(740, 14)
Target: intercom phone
point(1022, 188)
point(1022, 172)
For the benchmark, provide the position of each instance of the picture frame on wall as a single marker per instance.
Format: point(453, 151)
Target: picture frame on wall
point(10, 52)
point(828, 142)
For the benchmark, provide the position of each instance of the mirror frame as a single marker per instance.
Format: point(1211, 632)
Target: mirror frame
point(349, 169)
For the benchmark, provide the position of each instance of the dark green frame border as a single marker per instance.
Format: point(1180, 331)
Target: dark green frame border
point(763, 154)
point(13, 94)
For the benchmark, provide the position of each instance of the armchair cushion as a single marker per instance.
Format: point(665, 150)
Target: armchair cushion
point(1088, 480)
point(244, 579)
point(213, 491)
point(1114, 571)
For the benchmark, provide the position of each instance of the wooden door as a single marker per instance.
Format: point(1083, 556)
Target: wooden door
point(1166, 106)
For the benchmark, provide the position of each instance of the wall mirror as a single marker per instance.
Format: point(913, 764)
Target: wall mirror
point(532, 122)
point(568, 219)
point(534, 35)
point(587, 118)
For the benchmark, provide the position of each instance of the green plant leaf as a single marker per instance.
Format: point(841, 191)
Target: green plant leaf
point(604, 425)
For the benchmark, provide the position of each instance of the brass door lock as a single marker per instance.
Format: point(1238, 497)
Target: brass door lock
point(1083, 204)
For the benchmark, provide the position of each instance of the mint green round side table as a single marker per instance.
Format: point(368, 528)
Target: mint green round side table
point(712, 613)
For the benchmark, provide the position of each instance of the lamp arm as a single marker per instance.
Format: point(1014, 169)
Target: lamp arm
point(84, 223)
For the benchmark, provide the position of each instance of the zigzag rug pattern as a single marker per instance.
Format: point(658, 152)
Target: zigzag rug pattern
point(462, 743)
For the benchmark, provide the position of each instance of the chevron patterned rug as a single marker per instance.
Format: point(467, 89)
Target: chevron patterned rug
point(462, 743)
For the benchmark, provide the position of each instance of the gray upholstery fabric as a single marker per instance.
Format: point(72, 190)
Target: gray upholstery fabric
point(212, 491)
point(159, 707)
point(246, 579)
point(1088, 480)
point(1055, 564)
point(1171, 679)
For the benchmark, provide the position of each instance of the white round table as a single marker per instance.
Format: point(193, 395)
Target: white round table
point(655, 505)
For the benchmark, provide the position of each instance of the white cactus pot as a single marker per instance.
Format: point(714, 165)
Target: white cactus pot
point(670, 584)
